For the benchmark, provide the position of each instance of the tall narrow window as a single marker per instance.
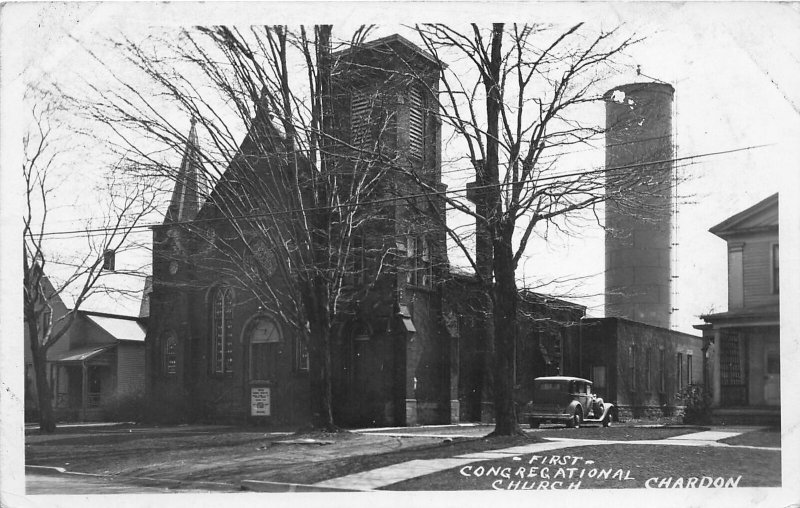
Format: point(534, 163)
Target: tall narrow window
point(679, 373)
point(360, 128)
point(170, 355)
point(222, 331)
point(301, 355)
point(632, 368)
point(662, 372)
point(648, 373)
point(265, 338)
point(689, 376)
point(416, 121)
point(775, 267)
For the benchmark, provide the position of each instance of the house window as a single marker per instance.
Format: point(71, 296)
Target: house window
point(679, 373)
point(170, 346)
point(648, 371)
point(662, 371)
point(416, 121)
point(632, 368)
point(735, 276)
point(689, 376)
point(360, 125)
point(775, 267)
point(265, 339)
point(222, 331)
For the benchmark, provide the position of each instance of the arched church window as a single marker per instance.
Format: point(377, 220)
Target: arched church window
point(265, 340)
point(222, 331)
point(170, 354)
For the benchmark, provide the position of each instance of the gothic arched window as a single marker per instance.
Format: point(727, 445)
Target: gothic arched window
point(222, 331)
point(170, 354)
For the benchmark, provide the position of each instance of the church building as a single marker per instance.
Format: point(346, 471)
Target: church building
point(215, 352)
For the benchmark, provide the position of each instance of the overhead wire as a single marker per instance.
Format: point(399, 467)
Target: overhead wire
point(144, 227)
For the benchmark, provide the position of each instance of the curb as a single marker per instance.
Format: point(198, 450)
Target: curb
point(267, 486)
point(46, 470)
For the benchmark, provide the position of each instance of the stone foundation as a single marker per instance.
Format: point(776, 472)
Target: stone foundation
point(487, 412)
point(455, 411)
point(411, 412)
point(647, 412)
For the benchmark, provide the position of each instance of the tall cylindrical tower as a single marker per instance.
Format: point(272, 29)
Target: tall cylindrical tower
point(639, 202)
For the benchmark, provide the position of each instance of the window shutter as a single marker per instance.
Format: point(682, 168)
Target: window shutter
point(416, 122)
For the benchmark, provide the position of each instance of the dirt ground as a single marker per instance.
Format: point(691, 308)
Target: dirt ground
point(201, 453)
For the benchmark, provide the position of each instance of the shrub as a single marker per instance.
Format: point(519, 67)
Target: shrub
point(697, 404)
point(128, 407)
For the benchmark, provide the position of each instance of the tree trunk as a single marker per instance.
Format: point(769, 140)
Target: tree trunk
point(505, 333)
point(317, 294)
point(319, 356)
point(47, 422)
point(504, 290)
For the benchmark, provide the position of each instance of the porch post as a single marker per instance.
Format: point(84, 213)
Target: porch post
point(716, 372)
point(84, 389)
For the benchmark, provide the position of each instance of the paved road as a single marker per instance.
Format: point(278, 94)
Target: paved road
point(61, 484)
point(78, 484)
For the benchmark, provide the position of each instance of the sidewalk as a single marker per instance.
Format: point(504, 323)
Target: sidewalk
point(385, 476)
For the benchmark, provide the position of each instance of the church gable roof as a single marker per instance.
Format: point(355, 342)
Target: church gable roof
point(759, 217)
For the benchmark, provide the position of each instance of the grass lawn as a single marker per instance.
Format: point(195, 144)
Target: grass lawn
point(763, 437)
point(632, 464)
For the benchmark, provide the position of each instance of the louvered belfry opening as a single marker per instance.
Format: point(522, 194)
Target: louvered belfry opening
point(416, 121)
point(360, 116)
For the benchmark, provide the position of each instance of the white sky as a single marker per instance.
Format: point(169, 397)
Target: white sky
point(733, 67)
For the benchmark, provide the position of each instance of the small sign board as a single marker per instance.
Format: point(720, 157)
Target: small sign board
point(259, 401)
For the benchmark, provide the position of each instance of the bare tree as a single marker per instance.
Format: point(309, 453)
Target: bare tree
point(291, 200)
point(127, 206)
point(513, 105)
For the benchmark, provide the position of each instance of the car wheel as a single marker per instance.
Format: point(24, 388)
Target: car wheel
point(598, 410)
point(534, 423)
point(578, 418)
point(607, 420)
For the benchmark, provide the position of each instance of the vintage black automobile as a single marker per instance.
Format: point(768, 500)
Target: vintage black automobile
point(567, 400)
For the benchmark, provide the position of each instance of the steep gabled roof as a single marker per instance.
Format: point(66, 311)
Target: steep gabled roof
point(762, 216)
point(262, 140)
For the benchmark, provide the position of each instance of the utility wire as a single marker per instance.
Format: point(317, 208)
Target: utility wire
point(84, 232)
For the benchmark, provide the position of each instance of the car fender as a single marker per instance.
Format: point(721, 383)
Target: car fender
point(573, 406)
point(607, 409)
